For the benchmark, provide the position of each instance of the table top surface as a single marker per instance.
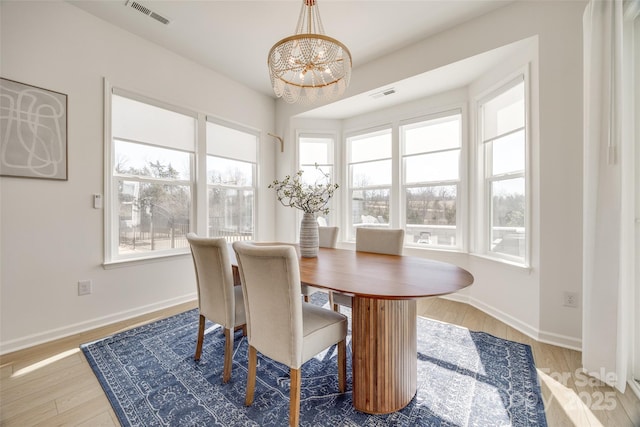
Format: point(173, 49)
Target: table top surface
point(372, 275)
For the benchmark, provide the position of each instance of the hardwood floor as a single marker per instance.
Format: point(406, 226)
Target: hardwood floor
point(52, 384)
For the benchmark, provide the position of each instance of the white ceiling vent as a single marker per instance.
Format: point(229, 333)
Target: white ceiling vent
point(145, 10)
point(385, 92)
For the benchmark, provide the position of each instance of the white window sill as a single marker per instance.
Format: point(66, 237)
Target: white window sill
point(128, 262)
point(516, 265)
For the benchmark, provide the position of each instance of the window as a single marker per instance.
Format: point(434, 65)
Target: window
point(431, 151)
point(231, 181)
point(502, 159)
point(370, 176)
point(317, 150)
point(151, 179)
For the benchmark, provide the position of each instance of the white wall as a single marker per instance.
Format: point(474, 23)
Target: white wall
point(530, 300)
point(51, 237)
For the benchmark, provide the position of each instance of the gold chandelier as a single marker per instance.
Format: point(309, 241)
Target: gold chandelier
point(309, 66)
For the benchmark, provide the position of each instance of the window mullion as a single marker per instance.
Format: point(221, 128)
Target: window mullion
point(502, 135)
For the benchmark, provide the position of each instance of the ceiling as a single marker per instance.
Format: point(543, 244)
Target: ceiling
point(234, 37)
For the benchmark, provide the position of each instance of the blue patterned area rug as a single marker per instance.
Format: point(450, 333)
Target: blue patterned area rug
point(464, 379)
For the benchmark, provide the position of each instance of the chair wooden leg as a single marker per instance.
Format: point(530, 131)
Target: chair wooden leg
point(342, 365)
point(200, 338)
point(294, 397)
point(306, 298)
point(244, 329)
point(331, 303)
point(251, 375)
point(228, 353)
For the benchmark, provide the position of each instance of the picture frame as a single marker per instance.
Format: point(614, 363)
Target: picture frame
point(33, 131)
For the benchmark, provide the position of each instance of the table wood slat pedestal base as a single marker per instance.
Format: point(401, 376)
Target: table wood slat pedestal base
point(384, 343)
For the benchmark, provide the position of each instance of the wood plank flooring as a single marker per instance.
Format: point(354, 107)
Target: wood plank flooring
point(52, 384)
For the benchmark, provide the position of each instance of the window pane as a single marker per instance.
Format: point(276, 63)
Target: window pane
point(152, 216)
point(432, 135)
point(371, 174)
point(432, 205)
point(228, 142)
point(431, 215)
point(504, 113)
point(440, 166)
point(229, 172)
point(370, 207)
point(315, 150)
point(370, 147)
point(313, 175)
point(142, 122)
point(508, 216)
point(231, 213)
point(152, 162)
point(508, 154)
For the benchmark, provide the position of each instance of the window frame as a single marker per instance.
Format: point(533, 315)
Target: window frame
point(110, 205)
point(198, 216)
point(335, 175)
point(348, 197)
point(254, 165)
point(461, 188)
point(483, 202)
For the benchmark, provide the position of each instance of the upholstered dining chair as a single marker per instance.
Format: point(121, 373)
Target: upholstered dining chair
point(279, 324)
point(306, 290)
point(218, 299)
point(328, 238)
point(388, 241)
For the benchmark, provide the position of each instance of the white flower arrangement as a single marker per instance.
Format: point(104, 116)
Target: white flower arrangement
point(292, 192)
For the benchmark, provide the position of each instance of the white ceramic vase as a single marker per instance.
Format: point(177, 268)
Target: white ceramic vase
point(309, 240)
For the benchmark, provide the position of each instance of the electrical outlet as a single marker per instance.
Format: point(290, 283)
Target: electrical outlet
point(570, 299)
point(84, 287)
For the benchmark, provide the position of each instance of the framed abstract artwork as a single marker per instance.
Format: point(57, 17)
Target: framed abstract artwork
point(33, 131)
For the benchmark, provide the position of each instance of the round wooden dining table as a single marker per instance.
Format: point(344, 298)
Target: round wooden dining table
point(383, 319)
point(385, 289)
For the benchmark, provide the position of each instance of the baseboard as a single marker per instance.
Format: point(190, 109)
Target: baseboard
point(635, 387)
point(571, 343)
point(560, 340)
point(55, 334)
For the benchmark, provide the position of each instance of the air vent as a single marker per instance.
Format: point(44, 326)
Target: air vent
point(145, 10)
point(382, 93)
point(159, 18)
